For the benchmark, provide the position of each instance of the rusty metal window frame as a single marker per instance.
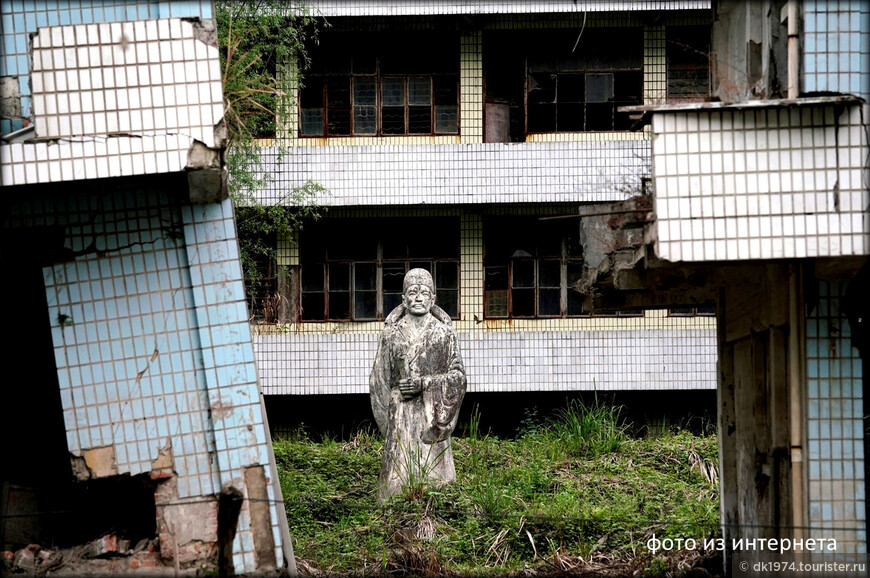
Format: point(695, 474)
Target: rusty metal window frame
point(573, 108)
point(332, 113)
point(505, 301)
point(383, 306)
point(316, 292)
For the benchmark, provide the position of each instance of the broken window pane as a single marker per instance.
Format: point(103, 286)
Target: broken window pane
point(599, 87)
point(542, 88)
point(339, 277)
point(548, 302)
point(566, 88)
point(523, 302)
point(339, 305)
point(312, 306)
point(449, 302)
point(575, 298)
point(496, 290)
point(523, 273)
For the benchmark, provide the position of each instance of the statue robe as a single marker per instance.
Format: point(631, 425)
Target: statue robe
point(417, 431)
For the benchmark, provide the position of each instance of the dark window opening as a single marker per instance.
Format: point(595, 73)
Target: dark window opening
point(548, 81)
point(688, 58)
point(529, 268)
point(362, 280)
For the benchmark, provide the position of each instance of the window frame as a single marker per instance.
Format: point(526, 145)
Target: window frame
point(434, 80)
point(624, 79)
point(508, 264)
point(387, 255)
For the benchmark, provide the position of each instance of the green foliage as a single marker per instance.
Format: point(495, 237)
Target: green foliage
point(527, 503)
point(589, 431)
point(257, 41)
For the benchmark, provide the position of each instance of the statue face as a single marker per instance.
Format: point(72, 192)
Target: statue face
point(418, 299)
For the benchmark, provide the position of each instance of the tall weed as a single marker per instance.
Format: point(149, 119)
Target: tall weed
point(589, 431)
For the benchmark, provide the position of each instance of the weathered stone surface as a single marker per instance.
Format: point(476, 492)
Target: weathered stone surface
point(416, 387)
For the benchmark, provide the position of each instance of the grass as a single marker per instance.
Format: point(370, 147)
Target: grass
point(569, 491)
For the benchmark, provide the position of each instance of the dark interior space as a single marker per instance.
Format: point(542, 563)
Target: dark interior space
point(36, 478)
point(40, 503)
point(501, 414)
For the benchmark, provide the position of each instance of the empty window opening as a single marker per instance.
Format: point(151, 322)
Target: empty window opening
point(688, 57)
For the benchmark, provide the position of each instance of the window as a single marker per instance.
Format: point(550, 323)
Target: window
point(353, 270)
point(581, 89)
point(688, 57)
point(394, 86)
point(530, 267)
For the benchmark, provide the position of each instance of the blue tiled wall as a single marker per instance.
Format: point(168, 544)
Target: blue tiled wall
point(151, 338)
point(835, 432)
point(837, 46)
point(20, 18)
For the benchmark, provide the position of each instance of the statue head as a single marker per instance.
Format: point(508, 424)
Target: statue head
point(418, 292)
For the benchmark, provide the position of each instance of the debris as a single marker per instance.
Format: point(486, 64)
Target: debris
point(107, 546)
point(25, 558)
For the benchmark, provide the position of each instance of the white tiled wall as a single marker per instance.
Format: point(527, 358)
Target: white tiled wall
point(761, 182)
point(540, 172)
point(836, 43)
point(142, 77)
point(118, 99)
point(664, 352)
point(151, 338)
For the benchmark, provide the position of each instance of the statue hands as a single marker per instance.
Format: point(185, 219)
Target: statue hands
point(410, 387)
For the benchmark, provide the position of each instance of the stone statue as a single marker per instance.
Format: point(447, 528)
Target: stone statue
point(416, 387)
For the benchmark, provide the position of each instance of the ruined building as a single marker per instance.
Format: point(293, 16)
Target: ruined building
point(708, 153)
point(761, 201)
point(466, 137)
point(131, 408)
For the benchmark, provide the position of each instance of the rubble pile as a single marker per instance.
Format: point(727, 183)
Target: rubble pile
point(108, 555)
